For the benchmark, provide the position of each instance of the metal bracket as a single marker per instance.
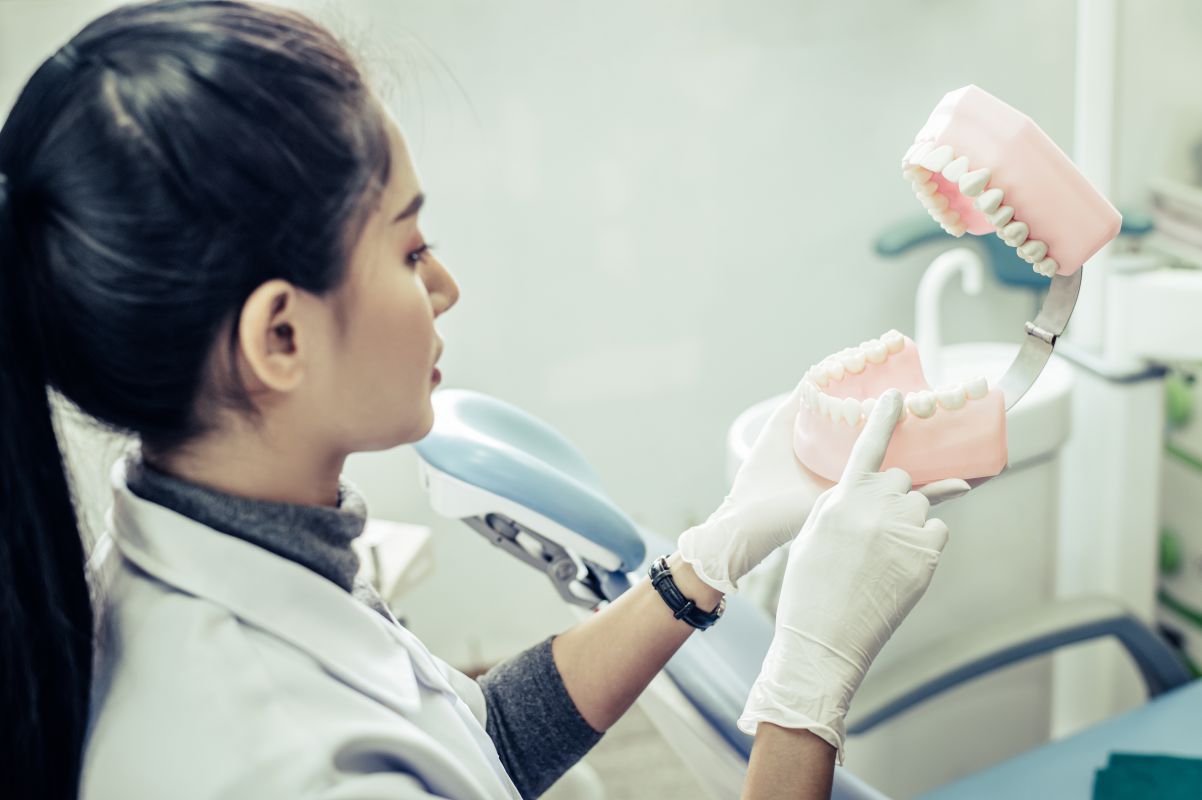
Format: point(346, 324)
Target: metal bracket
point(545, 555)
point(1041, 337)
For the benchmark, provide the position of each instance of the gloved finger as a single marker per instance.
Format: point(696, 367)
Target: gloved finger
point(935, 534)
point(896, 480)
point(942, 491)
point(869, 450)
point(915, 507)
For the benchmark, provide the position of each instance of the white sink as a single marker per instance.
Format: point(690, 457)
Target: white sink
point(1035, 428)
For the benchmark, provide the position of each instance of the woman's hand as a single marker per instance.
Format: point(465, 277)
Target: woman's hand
point(862, 561)
point(770, 500)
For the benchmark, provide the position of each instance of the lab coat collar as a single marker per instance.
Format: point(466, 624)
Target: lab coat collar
point(351, 641)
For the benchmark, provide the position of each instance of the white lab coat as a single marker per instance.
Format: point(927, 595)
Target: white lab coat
point(225, 671)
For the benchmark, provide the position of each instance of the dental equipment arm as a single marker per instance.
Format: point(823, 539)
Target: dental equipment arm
point(858, 567)
point(770, 499)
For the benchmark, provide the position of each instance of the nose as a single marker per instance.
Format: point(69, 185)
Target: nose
point(440, 285)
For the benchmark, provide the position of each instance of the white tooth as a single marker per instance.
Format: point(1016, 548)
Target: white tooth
point(949, 217)
point(824, 404)
point(999, 218)
point(818, 375)
point(951, 397)
point(834, 370)
point(834, 409)
point(920, 150)
point(916, 174)
point(938, 158)
point(1048, 267)
point(876, 351)
point(989, 201)
point(851, 410)
point(894, 341)
point(976, 388)
point(1033, 251)
point(909, 152)
point(936, 201)
point(973, 183)
point(854, 362)
point(921, 404)
point(954, 170)
point(956, 229)
point(809, 395)
point(928, 187)
point(867, 405)
point(1015, 233)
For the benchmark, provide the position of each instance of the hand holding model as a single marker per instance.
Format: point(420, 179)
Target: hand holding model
point(860, 564)
point(770, 500)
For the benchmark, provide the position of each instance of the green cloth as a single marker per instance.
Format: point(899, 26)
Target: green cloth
point(1129, 776)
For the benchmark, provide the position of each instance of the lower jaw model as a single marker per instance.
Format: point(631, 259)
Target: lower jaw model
point(978, 166)
point(957, 430)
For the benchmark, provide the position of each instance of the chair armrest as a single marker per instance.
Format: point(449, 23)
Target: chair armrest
point(1017, 638)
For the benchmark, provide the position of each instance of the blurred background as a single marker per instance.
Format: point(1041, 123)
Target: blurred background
point(661, 213)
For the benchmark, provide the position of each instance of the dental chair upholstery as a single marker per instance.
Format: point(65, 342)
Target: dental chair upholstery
point(518, 482)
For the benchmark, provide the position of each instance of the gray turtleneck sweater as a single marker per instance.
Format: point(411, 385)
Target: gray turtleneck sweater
point(528, 707)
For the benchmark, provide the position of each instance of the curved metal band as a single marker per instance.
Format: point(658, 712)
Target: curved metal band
point(1041, 337)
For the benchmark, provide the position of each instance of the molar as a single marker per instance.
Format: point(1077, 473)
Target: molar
point(867, 404)
point(1001, 217)
point(927, 187)
point(936, 201)
point(1047, 267)
point(938, 158)
point(1033, 251)
point(834, 370)
point(956, 228)
point(894, 341)
point(988, 201)
point(854, 362)
point(954, 170)
point(875, 351)
point(1015, 233)
point(976, 388)
point(817, 376)
point(951, 397)
point(921, 404)
point(973, 183)
point(851, 410)
point(916, 174)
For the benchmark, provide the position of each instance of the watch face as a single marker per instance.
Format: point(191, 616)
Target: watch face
point(721, 609)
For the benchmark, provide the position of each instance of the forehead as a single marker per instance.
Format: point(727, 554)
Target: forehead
point(403, 183)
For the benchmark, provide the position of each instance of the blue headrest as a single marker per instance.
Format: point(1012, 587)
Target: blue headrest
point(501, 449)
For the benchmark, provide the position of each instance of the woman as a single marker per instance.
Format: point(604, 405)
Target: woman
point(210, 239)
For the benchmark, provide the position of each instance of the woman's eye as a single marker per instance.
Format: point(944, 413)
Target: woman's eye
point(414, 258)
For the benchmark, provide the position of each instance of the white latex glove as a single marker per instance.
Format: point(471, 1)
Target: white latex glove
point(768, 503)
point(863, 560)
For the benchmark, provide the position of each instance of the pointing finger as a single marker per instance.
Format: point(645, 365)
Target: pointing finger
point(869, 450)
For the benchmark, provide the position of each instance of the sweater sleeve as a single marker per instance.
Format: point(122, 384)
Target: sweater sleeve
point(537, 729)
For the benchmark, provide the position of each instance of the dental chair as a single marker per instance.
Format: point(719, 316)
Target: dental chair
point(520, 484)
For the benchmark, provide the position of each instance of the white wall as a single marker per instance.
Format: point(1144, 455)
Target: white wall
point(661, 212)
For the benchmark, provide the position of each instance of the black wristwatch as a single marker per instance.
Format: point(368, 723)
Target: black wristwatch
point(682, 607)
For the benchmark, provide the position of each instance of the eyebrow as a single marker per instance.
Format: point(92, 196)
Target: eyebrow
point(415, 205)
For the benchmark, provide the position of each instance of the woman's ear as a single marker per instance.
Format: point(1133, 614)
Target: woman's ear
point(269, 335)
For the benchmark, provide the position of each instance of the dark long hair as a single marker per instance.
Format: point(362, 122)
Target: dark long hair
point(169, 160)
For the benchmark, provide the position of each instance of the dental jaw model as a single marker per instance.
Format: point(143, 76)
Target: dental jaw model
point(978, 166)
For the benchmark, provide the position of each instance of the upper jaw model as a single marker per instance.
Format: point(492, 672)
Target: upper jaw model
point(978, 166)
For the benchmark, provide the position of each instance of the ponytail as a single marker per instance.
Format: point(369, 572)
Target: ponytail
point(45, 609)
